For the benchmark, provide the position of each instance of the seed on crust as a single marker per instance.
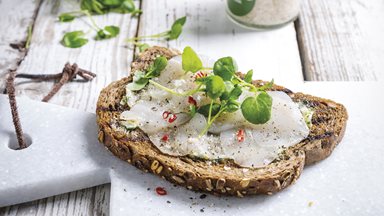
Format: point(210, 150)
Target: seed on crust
point(244, 182)
point(154, 165)
point(189, 187)
point(220, 183)
point(100, 136)
point(159, 169)
point(277, 183)
point(228, 188)
point(208, 183)
point(178, 179)
point(238, 193)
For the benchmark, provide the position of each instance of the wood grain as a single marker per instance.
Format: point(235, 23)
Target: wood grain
point(16, 16)
point(340, 40)
point(91, 201)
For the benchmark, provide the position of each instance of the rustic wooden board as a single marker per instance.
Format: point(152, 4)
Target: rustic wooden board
point(340, 40)
point(16, 16)
point(109, 59)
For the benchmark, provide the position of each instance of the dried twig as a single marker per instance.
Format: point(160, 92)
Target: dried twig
point(15, 115)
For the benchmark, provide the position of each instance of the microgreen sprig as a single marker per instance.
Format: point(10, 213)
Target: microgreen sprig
point(172, 34)
point(223, 87)
point(89, 8)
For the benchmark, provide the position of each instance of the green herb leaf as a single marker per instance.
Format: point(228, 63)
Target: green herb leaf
point(235, 93)
point(257, 110)
point(232, 106)
point(204, 110)
point(111, 3)
point(192, 110)
point(139, 81)
point(92, 6)
point(180, 21)
point(66, 17)
point(107, 32)
point(215, 87)
point(248, 76)
point(190, 60)
point(177, 28)
point(74, 39)
point(143, 46)
point(267, 86)
point(159, 65)
point(225, 68)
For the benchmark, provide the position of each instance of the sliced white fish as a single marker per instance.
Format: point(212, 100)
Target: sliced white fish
point(149, 117)
point(185, 140)
point(262, 143)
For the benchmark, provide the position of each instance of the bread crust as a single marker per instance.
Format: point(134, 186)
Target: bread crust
point(218, 177)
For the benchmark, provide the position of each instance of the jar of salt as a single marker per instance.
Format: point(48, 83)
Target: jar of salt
point(263, 14)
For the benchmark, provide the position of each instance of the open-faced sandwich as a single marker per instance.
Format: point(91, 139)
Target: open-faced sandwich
point(202, 125)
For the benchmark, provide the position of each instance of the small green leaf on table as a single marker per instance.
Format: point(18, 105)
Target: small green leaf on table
point(74, 39)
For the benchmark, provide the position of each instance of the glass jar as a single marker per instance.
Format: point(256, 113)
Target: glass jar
point(263, 14)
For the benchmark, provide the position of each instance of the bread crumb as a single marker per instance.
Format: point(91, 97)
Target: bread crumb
point(310, 204)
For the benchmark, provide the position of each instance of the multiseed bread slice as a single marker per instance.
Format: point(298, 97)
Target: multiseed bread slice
point(222, 177)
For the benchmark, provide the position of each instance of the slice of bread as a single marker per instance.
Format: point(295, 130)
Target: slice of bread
point(218, 177)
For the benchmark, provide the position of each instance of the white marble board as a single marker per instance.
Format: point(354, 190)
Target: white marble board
point(65, 156)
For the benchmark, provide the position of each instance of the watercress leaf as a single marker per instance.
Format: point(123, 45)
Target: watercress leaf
point(204, 110)
point(177, 28)
point(190, 61)
point(180, 21)
point(215, 87)
point(248, 76)
point(107, 32)
point(235, 93)
point(175, 32)
point(136, 12)
point(232, 106)
point(228, 88)
point(159, 65)
point(93, 6)
point(257, 110)
point(139, 81)
point(66, 17)
point(142, 47)
point(192, 110)
point(266, 86)
point(111, 3)
point(225, 68)
point(74, 39)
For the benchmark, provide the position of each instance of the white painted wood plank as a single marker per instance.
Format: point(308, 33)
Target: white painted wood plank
point(272, 54)
point(342, 40)
point(16, 16)
point(91, 201)
point(109, 59)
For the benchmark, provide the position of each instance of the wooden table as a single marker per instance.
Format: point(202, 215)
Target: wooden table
point(333, 40)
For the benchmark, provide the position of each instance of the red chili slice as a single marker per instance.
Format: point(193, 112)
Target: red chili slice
point(172, 118)
point(165, 138)
point(165, 114)
point(161, 191)
point(192, 101)
point(200, 74)
point(240, 135)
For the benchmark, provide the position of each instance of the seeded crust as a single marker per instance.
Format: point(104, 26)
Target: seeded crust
point(222, 177)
